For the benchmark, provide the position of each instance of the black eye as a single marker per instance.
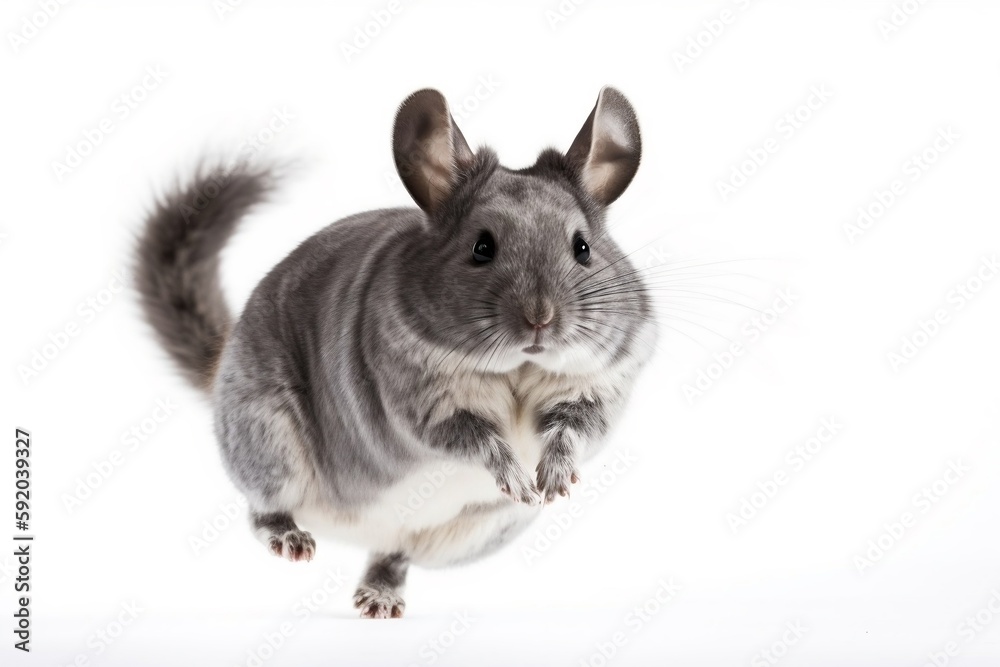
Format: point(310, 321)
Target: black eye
point(484, 249)
point(581, 250)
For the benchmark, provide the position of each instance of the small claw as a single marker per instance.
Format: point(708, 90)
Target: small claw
point(275, 545)
point(378, 604)
point(294, 546)
point(528, 496)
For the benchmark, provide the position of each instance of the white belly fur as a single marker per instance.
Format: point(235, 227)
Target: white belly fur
point(427, 501)
point(425, 519)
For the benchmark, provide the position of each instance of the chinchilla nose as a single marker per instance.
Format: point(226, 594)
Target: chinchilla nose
point(540, 316)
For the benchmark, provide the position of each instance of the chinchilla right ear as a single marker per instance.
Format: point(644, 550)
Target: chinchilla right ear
point(429, 149)
point(606, 152)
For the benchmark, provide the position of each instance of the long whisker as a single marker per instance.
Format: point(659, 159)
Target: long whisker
point(478, 333)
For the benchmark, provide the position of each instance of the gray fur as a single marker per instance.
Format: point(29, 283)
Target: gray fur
point(378, 346)
point(177, 263)
point(379, 594)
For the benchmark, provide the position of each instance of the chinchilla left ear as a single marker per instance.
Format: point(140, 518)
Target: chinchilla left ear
point(606, 152)
point(428, 148)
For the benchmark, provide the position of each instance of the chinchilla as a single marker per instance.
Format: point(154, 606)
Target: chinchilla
point(417, 381)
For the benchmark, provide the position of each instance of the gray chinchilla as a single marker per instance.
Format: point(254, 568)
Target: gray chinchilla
point(396, 379)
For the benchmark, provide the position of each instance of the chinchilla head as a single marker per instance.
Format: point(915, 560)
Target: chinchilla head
point(516, 266)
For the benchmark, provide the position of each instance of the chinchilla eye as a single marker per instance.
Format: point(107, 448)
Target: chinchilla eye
point(581, 250)
point(484, 249)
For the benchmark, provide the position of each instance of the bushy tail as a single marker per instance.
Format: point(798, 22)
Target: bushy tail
point(177, 264)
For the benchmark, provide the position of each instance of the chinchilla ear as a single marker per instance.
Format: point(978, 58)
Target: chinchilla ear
point(429, 149)
point(605, 154)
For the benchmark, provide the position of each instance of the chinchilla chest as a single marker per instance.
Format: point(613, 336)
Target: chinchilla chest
point(450, 508)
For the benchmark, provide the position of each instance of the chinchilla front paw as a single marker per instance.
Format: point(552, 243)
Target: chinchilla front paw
point(295, 545)
point(555, 475)
point(517, 484)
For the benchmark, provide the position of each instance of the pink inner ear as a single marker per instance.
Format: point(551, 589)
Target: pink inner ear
point(608, 147)
point(595, 179)
point(429, 148)
point(443, 158)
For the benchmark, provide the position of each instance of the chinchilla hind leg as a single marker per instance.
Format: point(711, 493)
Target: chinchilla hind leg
point(379, 594)
point(265, 455)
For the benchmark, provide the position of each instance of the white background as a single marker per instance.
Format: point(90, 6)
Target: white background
point(696, 458)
